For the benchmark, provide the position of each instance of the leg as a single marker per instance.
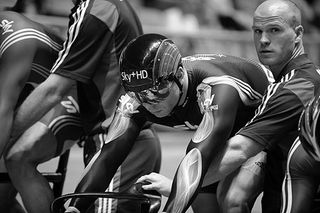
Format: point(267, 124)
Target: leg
point(301, 181)
point(238, 192)
point(35, 146)
point(39, 144)
point(8, 194)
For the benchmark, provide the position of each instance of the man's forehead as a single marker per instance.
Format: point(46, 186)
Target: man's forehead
point(269, 20)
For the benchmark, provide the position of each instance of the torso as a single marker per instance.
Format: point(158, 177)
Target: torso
point(16, 30)
point(216, 68)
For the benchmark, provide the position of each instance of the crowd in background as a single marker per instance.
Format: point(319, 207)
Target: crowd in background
point(188, 14)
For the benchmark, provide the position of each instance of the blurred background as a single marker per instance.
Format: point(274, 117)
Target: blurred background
point(196, 26)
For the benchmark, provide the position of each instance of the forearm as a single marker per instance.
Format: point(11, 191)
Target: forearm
point(102, 168)
point(186, 182)
point(122, 134)
point(207, 141)
point(237, 151)
point(5, 126)
point(188, 179)
point(37, 104)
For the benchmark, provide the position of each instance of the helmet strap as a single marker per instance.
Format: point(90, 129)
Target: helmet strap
point(176, 80)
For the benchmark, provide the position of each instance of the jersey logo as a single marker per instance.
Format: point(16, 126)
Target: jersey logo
point(71, 105)
point(128, 105)
point(205, 98)
point(6, 26)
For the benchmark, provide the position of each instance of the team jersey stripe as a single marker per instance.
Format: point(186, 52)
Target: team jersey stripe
point(246, 87)
point(287, 184)
point(270, 92)
point(267, 72)
point(58, 129)
point(41, 70)
point(28, 33)
point(62, 121)
point(272, 89)
point(72, 34)
point(247, 94)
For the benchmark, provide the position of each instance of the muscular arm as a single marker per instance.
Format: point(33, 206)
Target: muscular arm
point(211, 136)
point(15, 67)
point(239, 149)
point(40, 101)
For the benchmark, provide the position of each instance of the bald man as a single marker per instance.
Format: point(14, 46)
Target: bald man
point(278, 40)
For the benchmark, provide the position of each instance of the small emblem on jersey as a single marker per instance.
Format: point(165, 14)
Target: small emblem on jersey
point(71, 105)
point(6, 26)
point(128, 105)
point(205, 98)
point(140, 74)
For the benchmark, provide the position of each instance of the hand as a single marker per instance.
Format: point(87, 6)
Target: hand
point(158, 182)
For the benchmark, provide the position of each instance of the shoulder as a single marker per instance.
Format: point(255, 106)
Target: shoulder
point(302, 86)
point(12, 21)
point(105, 11)
point(19, 32)
point(14, 28)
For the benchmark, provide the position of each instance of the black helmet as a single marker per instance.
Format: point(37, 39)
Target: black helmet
point(309, 128)
point(148, 61)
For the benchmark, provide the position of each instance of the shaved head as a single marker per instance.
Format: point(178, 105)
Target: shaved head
point(285, 9)
point(277, 33)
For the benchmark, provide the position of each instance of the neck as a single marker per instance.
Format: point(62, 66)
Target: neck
point(277, 69)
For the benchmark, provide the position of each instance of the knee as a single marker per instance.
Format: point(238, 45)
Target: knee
point(15, 158)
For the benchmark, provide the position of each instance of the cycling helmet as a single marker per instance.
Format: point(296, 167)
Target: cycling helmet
point(309, 128)
point(149, 62)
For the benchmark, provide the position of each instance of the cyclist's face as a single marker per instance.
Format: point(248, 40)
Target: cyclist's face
point(274, 40)
point(160, 103)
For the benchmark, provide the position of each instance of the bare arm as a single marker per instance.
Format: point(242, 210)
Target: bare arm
point(237, 151)
point(15, 67)
point(39, 102)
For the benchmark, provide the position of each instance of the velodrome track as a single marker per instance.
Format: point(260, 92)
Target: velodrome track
point(173, 145)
